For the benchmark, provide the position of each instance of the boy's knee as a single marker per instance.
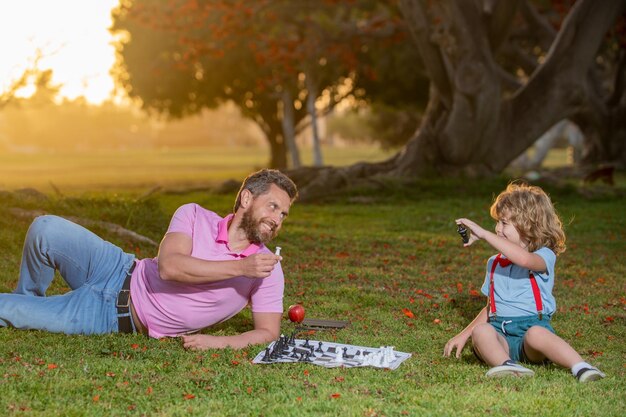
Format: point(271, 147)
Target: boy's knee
point(535, 334)
point(481, 330)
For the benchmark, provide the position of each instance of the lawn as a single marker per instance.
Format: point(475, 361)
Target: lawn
point(132, 170)
point(370, 258)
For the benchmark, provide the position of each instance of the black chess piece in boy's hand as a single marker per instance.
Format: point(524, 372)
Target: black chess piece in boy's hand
point(465, 234)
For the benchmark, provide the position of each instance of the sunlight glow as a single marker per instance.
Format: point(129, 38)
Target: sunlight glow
point(73, 37)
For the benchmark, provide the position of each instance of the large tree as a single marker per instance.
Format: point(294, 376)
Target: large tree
point(273, 58)
point(501, 75)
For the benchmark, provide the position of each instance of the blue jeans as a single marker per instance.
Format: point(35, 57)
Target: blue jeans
point(93, 268)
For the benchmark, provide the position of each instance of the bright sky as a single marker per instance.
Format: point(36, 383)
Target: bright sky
point(73, 36)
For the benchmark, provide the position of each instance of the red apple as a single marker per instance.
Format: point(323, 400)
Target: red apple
point(296, 313)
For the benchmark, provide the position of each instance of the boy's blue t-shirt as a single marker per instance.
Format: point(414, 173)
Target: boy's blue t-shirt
point(512, 289)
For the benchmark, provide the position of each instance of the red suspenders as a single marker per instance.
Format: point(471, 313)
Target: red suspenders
point(533, 283)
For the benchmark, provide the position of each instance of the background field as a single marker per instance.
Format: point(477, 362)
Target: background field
point(391, 263)
point(135, 170)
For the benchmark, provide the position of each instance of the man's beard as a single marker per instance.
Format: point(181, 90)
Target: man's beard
point(252, 228)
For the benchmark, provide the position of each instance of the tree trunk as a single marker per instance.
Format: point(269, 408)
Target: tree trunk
point(310, 103)
point(278, 154)
point(267, 117)
point(289, 130)
point(470, 127)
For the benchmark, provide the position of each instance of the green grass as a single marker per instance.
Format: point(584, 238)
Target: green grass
point(359, 259)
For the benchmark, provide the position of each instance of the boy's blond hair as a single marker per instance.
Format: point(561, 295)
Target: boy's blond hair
point(531, 212)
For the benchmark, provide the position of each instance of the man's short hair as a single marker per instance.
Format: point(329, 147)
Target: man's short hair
point(259, 182)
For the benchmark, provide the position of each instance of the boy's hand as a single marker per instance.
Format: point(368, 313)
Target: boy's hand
point(457, 342)
point(476, 234)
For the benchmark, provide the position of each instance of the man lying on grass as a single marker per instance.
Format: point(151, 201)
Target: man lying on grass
point(207, 270)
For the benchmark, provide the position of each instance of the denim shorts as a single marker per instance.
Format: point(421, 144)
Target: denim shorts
point(514, 328)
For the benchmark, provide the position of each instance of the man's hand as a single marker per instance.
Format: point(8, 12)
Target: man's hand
point(259, 265)
point(203, 342)
point(266, 329)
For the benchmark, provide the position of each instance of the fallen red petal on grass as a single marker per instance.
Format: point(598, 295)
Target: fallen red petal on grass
point(474, 293)
point(459, 287)
point(335, 395)
point(339, 379)
point(134, 346)
point(342, 255)
point(437, 321)
point(609, 319)
point(149, 391)
point(110, 374)
point(234, 362)
point(189, 396)
point(306, 372)
point(95, 398)
point(52, 366)
point(408, 313)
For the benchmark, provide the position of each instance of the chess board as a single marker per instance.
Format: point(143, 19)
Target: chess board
point(329, 354)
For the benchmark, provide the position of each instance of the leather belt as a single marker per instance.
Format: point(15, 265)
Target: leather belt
point(124, 320)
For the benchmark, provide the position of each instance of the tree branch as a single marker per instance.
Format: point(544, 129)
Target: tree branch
point(558, 88)
point(500, 17)
point(414, 13)
point(110, 227)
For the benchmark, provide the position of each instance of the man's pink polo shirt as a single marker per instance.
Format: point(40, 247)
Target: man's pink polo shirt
point(170, 308)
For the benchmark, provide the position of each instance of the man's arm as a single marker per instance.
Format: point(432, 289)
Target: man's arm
point(177, 264)
point(266, 329)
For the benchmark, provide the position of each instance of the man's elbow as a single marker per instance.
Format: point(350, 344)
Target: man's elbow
point(270, 334)
point(273, 334)
point(167, 270)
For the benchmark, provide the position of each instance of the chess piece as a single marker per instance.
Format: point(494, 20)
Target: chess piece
point(277, 252)
point(319, 348)
point(465, 234)
point(266, 357)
